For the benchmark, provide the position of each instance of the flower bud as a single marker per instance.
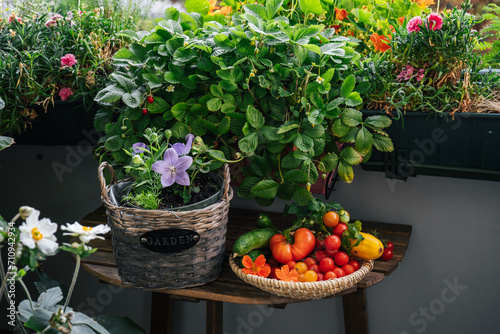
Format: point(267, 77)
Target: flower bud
point(75, 245)
point(168, 134)
point(25, 211)
point(137, 160)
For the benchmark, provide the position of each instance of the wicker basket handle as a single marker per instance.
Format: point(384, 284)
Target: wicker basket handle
point(102, 179)
point(227, 181)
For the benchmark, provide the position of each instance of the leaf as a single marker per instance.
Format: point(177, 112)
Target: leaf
point(296, 176)
point(216, 91)
point(328, 75)
point(333, 49)
point(382, 143)
point(83, 319)
point(313, 48)
point(125, 55)
point(352, 117)
point(109, 94)
point(272, 7)
point(330, 162)
point(6, 142)
point(228, 108)
point(180, 110)
point(266, 189)
point(345, 171)
point(340, 129)
point(122, 325)
point(124, 82)
point(257, 10)
point(311, 6)
point(249, 143)
point(153, 80)
point(198, 6)
point(171, 26)
point(50, 297)
point(289, 161)
point(260, 166)
point(245, 187)
point(133, 100)
point(287, 127)
point(301, 195)
point(158, 106)
point(348, 86)
point(223, 126)
point(351, 156)
point(304, 142)
point(214, 104)
point(39, 320)
point(354, 99)
point(170, 78)
point(377, 122)
point(364, 141)
point(114, 143)
point(254, 117)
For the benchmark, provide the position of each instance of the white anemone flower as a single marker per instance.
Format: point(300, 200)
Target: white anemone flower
point(85, 233)
point(39, 233)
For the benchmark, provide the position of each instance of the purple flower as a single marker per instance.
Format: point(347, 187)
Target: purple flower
point(139, 148)
point(69, 15)
point(183, 149)
point(173, 169)
point(50, 23)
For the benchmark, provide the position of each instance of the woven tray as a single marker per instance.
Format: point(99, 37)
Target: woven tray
point(304, 290)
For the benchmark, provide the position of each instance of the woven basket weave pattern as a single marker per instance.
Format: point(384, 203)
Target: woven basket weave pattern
point(142, 268)
point(304, 290)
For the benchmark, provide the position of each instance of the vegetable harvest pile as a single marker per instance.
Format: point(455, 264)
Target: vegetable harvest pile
point(322, 244)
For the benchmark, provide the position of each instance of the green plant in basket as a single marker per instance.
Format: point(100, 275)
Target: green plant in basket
point(254, 86)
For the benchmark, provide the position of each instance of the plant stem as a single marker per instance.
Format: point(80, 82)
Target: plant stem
point(27, 293)
point(73, 282)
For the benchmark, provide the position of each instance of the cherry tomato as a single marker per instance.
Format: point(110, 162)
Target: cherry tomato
point(303, 244)
point(344, 216)
point(326, 264)
point(331, 219)
point(339, 229)
point(387, 254)
point(301, 267)
point(339, 272)
point(309, 261)
point(333, 242)
point(389, 245)
point(291, 264)
point(320, 242)
point(314, 267)
point(150, 99)
point(354, 264)
point(144, 111)
point(330, 252)
point(330, 275)
point(273, 262)
point(321, 276)
point(302, 278)
point(273, 272)
point(341, 259)
point(348, 269)
point(319, 255)
point(310, 276)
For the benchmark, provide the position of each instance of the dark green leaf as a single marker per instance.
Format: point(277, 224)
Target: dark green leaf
point(295, 176)
point(266, 189)
point(364, 140)
point(301, 195)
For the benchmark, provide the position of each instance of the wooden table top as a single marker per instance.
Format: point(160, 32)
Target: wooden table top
point(228, 287)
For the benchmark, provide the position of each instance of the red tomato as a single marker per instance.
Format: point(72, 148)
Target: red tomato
point(389, 245)
point(314, 267)
point(339, 272)
point(330, 275)
point(273, 272)
point(387, 254)
point(354, 264)
point(333, 242)
point(341, 259)
point(273, 262)
point(309, 261)
point(330, 252)
point(348, 269)
point(319, 255)
point(326, 264)
point(320, 276)
point(339, 229)
point(303, 244)
point(291, 264)
point(320, 242)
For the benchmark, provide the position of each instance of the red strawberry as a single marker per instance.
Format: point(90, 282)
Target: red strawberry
point(144, 111)
point(150, 99)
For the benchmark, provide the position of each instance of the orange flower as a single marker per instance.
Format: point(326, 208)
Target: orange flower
point(401, 20)
point(340, 14)
point(287, 275)
point(381, 42)
point(217, 10)
point(259, 267)
point(391, 28)
point(423, 4)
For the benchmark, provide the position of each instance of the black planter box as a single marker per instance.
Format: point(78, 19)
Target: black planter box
point(65, 123)
point(467, 146)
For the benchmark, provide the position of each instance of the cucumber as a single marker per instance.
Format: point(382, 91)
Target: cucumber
point(253, 255)
point(255, 239)
point(263, 221)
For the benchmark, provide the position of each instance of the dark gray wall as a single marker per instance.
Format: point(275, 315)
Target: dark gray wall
point(447, 283)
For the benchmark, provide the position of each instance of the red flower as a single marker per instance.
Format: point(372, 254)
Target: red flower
point(65, 93)
point(381, 42)
point(435, 21)
point(259, 267)
point(340, 14)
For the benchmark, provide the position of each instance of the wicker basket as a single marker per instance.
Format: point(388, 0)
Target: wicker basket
point(143, 268)
point(304, 290)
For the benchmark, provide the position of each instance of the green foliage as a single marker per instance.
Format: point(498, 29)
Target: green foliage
point(30, 62)
point(492, 30)
point(254, 86)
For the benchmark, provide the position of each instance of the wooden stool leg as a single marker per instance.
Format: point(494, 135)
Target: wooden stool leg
point(214, 317)
point(355, 317)
point(161, 313)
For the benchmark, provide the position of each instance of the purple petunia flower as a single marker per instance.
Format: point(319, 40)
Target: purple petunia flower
point(183, 149)
point(173, 169)
point(139, 148)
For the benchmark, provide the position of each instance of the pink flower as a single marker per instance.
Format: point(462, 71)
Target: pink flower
point(420, 74)
point(57, 17)
point(435, 21)
point(68, 60)
point(65, 93)
point(414, 24)
point(50, 23)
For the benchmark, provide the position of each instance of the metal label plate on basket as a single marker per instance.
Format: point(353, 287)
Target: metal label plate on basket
point(170, 240)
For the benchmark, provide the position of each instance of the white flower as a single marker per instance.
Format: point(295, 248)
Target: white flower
point(85, 233)
point(319, 80)
point(170, 88)
point(39, 233)
point(25, 211)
